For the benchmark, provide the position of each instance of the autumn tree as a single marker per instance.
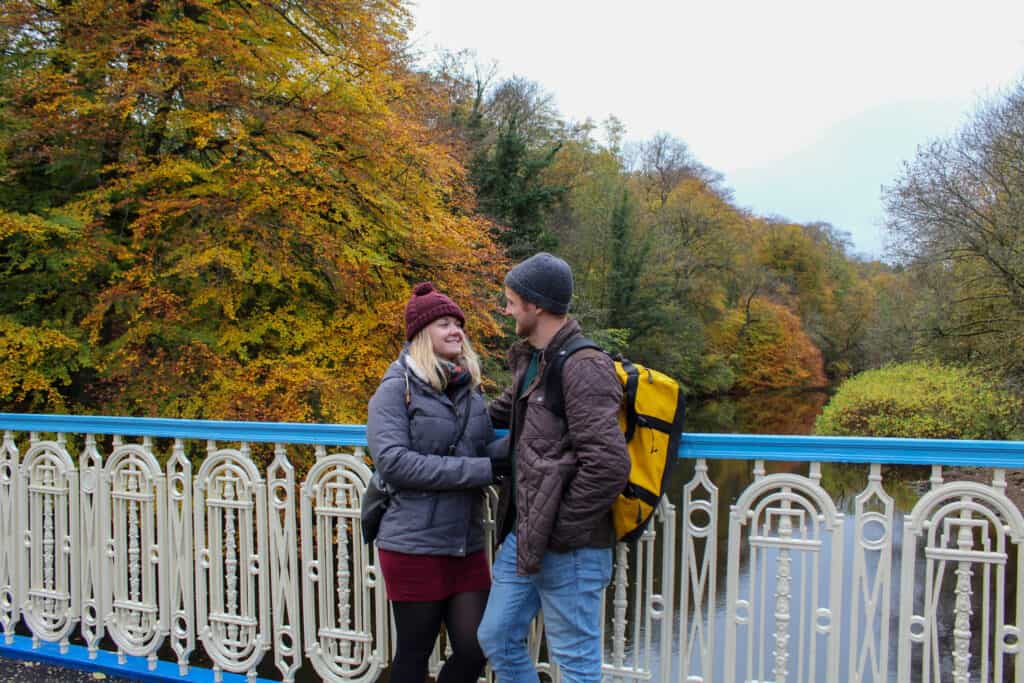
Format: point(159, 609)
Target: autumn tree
point(767, 348)
point(696, 235)
point(811, 272)
point(664, 162)
point(956, 218)
point(890, 335)
point(215, 210)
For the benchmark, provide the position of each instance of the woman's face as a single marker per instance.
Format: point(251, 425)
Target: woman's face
point(446, 337)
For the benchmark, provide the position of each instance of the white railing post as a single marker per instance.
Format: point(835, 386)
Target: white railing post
point(871, 581)
point(783, 523)
point(284, 564)
point(10, 537)
point(961, 528)
point(698, 576)
point(49, 564)
point(181, 608)
point(92, 501)
point(132, 527)
point(345, 612)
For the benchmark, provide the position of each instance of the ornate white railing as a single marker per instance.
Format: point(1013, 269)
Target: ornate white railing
point(185, 550)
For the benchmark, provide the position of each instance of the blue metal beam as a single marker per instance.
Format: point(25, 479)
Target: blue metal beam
point(135, 668)
point(216, 430)
point(1009, 454)
point(863, 450)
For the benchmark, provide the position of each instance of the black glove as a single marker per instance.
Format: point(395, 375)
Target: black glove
point(501, 467)
point(501, 461)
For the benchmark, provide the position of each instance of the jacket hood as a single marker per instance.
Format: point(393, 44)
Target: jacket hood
point(405, 369)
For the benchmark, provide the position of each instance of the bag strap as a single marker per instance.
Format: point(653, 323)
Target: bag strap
point(553, 373)
point(553, 378)
point(462, 423)
point(629, 395)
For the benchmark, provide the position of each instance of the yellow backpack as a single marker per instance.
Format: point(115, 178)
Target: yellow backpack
point(651, 418)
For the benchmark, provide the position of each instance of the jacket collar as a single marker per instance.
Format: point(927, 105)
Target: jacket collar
point(413, 367)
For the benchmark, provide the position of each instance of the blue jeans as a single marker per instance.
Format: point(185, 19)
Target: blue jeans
point(569, 588)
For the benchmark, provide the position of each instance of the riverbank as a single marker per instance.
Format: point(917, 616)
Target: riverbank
point(983, 475)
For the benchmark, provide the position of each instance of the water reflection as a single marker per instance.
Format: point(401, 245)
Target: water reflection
point(776, 412)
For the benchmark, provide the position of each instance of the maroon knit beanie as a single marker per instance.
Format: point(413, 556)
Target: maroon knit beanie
point(427, 305)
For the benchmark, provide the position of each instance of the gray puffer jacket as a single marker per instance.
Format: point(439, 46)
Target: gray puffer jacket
point(437, 508)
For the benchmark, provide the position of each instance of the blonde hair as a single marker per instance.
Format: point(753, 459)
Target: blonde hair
point(421, 350)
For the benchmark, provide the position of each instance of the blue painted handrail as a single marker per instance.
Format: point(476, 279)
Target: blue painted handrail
point(215, 430)
point(1009, 454)
point(133, 669)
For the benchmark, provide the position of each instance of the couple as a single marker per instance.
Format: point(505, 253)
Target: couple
point(432, 438)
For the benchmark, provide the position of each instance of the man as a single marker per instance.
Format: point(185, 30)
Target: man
point(554, 511)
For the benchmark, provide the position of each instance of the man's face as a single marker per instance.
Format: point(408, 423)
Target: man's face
point(523, 312)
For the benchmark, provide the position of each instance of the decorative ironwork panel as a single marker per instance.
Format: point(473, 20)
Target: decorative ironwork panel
point(49, 563)
point(232, 591)
point(153, 558)
point(345, 611)
point(642, 594)
point(698, 560)
point(788, 607)
point(133, 523)
point(956, 618)
point(10, 598)
point(181, 566)
point(284, 565)
point(871, 582)
point(90, 478)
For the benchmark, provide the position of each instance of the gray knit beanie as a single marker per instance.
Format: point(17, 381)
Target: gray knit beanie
point(544, 280)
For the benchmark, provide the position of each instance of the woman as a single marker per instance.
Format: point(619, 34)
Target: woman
point(427, 430)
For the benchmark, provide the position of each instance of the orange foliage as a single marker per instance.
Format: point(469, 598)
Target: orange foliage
point(247, 191)
point(767, 348)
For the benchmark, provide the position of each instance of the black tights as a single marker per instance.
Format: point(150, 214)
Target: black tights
point(418, 624)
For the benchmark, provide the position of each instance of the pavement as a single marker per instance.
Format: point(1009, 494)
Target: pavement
point(21, 671)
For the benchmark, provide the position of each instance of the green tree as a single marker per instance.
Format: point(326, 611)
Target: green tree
point(512, 192)
point(508, 168)
point(628, 256)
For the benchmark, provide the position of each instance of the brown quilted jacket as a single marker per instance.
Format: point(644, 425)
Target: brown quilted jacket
point(568, 470)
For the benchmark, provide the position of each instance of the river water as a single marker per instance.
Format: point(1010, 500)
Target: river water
point(776, 412)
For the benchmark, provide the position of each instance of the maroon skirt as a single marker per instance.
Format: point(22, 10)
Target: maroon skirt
point(421, 578)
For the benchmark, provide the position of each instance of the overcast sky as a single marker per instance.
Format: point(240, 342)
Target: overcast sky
point(806, 106)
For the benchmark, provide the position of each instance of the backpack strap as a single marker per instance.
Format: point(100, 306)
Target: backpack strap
point(553, 373)
point(555, 397)
point(629, 395)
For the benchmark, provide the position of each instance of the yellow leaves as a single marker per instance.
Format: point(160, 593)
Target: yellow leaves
point(254, 192)
point(27, 225)
point(35, 363)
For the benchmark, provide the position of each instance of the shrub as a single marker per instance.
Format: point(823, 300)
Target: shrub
point(923, 400)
